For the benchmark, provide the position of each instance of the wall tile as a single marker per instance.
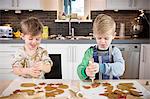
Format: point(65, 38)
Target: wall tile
point(48, 18)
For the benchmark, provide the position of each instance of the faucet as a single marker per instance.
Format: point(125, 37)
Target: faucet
point(71, 30)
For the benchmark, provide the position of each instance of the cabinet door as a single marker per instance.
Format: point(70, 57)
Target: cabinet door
point(78, 56)
point(6, 73)
point(119, 4)
point(7, 52)
point(10, 47)
point(6, 58)
point(62, 49)
point(20, 4)
point(145, 62)
point(98, 4)
point(28, 5)
point(49, 4)
point(141, 4)
point(43, 46)
point(7, 4)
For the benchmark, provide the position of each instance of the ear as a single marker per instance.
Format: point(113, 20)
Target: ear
point(22, 36)
point(94, 35)
point(114, 35)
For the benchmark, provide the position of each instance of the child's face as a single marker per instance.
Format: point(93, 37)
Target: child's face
point(32, 42)
point(104, 41)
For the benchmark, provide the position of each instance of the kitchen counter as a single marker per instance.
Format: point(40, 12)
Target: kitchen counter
point(5, 83)
point(68, 41)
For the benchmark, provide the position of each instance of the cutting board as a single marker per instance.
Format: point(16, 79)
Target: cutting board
point(15, 84)
point(93, 93)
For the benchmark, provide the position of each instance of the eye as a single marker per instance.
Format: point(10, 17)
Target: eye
point(37, 39)
point(30, 38)
point(99, 38)
point(107, 38)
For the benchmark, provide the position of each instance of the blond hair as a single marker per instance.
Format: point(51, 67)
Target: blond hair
point(31, 26)
point(104, 25)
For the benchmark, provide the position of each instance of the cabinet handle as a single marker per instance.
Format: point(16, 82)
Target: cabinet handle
point(69, 54)
point(17, 3)
point(130, 3)
point(74, 54)
point(7, 51)
point(143, 59)
point(15, 46)
point(134, 3)
point(12, 4)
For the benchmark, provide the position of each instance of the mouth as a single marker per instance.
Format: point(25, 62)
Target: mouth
point(33, 46)
point(103, 46)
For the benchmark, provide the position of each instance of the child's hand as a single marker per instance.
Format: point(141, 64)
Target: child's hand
point(38, 65)
point(34, 72)
point(92, 69)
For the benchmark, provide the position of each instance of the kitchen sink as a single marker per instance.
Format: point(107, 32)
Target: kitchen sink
point(80, 37)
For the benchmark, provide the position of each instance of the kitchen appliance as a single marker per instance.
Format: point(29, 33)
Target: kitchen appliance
point(6, 31)
point(131, 55)
point(55, 72)
point(136, 27)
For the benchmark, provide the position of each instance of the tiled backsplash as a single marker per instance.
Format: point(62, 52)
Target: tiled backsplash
point(48, 18)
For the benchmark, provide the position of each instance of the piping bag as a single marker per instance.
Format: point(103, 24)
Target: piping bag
point(90, 62)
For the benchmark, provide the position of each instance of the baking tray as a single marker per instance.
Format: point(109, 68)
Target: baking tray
point(93, 93)
point(15, 84)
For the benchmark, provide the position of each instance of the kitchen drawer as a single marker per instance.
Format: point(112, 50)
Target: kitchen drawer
point(6, 59)
point(9, 47)
point(7, 74)
point(6, 70)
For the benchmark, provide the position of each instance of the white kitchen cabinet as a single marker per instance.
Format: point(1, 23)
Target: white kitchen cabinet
point(141, 4)
point(62, 49)
point(43, 45)
point(127, 4)
point(7, 52)
point(7, 4)
point(98, 4)
point(51, 5)
point(20, 5)
point(29, 5)
point(71, 57)
point(78, 51)
point(119, 4)
point(7, 74)
point(145, 62)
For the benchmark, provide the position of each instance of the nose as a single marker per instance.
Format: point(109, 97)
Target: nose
point(34, 41)
point(102, 40)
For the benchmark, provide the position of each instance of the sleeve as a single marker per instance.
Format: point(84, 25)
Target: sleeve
point(19, 60)
point(118, 67)
point(45, 58)
point(85, 61)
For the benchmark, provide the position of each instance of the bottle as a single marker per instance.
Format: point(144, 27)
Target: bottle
point(63, 17)
point(45, 32)
point(122, 30)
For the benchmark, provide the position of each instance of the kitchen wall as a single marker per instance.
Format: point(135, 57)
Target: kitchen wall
point(48, 18)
